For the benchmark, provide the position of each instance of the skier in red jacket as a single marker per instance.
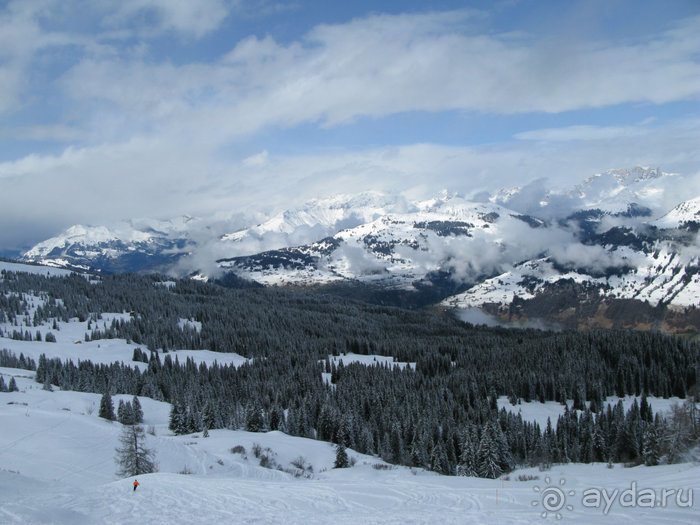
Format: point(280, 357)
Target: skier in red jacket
point(136, 483)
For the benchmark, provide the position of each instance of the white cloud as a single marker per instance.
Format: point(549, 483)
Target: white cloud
point(191, 18)
point(382, 65)
point(259, 159)
point(591, 257)
point(356, 261)
point(580, 133)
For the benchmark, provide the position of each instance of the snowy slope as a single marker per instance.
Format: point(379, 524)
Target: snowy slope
point(659, 277)
point(57, 466)
point(34, 269)
point(683, 214)
point(70, 343)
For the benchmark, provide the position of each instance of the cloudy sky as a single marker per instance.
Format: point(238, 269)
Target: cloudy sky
point(156, 108)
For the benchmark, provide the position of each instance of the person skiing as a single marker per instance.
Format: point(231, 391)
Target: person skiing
point(136, 484)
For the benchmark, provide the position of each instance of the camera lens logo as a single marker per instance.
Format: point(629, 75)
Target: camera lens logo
point(553, 498)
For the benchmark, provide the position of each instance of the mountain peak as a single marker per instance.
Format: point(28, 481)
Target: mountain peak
point(626, 176)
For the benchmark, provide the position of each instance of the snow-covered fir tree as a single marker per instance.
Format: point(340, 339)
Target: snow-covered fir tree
point(651, 445)
point(341, 456)
point(137, 411)
point(488, 460)
point(106, 407)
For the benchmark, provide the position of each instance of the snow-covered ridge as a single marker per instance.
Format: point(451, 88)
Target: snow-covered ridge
point(133, 231)
point(684, 213)
point(81, 245)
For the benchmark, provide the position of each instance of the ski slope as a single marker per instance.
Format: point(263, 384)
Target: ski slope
point(57, 466)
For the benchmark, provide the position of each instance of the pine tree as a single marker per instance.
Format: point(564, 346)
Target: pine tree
point(106, 407)
point(3, 387)
point(40, 376)
point(254, 419)
point(396, 444)
point(600, 448)
point(467, 459)
point(487, 456)
point(505, 459)
point(275, 419)
point(652, 449)
point(438, 458)
point(133, 458)
point(120, 412)
point(418, 449)
point(137, 410)
point(192, 422)
point(177, 418)
point(341, 456)
point(208, 418)
point(125, 413)
point(13, 385)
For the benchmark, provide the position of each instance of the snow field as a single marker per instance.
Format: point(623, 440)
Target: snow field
point(539, 412)
point(57, 466)
point(70, 343)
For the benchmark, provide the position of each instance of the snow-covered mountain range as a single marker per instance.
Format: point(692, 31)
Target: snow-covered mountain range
point(133, 245)
point(609, 251)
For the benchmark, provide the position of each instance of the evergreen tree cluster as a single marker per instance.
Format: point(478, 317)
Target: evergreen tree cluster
point(440, 413)
point(10, 387)
point(530, 364)
point(9, 360)
point(130, 412)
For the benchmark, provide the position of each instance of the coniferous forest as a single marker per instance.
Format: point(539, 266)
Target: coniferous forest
point(439, 414)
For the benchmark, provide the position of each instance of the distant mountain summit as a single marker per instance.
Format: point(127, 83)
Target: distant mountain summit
point(320, 218)
point(614, 190)
point(604, 252)
point(130, 246)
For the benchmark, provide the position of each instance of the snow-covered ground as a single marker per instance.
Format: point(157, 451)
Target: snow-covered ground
point(367, 360)
point(57, 466)
point(70, 342)
point(539, 412)
point(30, 268)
